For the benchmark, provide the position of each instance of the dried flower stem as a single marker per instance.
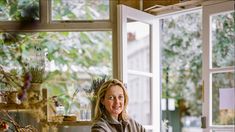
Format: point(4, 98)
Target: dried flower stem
point(10, 79)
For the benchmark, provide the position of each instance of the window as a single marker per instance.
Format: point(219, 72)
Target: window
point(80, 10)
point(140, 65)
point(72, 53)
point(14, 10)
point(181, 48)
point(184, 56)
point(218, 68)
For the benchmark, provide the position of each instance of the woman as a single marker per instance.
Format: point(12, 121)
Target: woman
point(110, 109)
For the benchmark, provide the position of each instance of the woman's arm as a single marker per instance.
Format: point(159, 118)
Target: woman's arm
point(96, 128)
point(135, 126)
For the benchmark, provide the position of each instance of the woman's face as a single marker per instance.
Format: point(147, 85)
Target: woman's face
point(114, 101)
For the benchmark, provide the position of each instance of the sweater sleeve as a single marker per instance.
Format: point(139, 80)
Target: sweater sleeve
point(97, 128)
point(140, 127)
point(136, 127)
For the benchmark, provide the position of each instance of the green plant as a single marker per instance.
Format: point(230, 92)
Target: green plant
point(96, 84)
point(10, 80)
point(37, 74)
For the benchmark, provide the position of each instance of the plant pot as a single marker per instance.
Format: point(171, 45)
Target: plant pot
point(34, 92)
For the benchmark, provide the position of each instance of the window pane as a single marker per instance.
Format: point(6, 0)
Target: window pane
point(139, 98)
point(181, 71)
point(138, 45)
point(11, 10)
point(223, 90)
point(223, 40)
point(71, 60)
point(80, 9)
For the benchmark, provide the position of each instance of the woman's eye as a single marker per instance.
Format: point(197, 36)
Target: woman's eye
point(113, 98)
point(110, 97)
point(121, 97)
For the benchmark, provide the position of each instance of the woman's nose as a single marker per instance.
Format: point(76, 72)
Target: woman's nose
point(116, 100)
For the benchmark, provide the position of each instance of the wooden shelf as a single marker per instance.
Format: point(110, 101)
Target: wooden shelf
point(20, 107)
point(11, 106)
point(71, 123)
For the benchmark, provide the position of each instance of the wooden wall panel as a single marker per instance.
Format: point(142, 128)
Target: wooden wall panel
point(150, 3)
point(132, 3)
point(147, 3)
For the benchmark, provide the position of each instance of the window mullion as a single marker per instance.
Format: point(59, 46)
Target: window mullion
point(45, 11)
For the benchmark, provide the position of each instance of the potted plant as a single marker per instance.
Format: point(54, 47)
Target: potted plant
point(95, 86)
point(37, 78)
point(37, 74)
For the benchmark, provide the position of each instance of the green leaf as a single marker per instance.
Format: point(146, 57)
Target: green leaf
point(50, 56)
point(13, 9)
point(56, 2)
point(3, 2)
point(73, 54)
point(65, 33)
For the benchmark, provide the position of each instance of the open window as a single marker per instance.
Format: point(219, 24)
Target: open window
point(218, 67)
point(140, 65)
point(208, 70)
point(181, 66)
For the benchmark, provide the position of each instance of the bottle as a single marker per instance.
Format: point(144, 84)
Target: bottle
point(60, 110)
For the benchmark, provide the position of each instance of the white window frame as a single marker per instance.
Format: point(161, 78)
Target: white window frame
point(125, 12)
point(208, 9)
point(167, 15)
point(45, 24)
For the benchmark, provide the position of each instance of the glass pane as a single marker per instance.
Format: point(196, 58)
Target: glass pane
point(23, 118)
point(80, 9)
point(223, 93)
point(139, 98)
point(181, 48)
point(70, 60)
point(138, 46)
point(222, 28)
point(11, 10)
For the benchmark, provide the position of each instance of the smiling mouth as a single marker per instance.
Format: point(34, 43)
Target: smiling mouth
point(116, 108)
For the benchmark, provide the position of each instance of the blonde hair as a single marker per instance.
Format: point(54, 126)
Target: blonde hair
point(99, 107)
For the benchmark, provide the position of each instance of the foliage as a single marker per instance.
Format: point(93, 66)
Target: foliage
point(181, 59)
point(223, 29)
point(18, 9)
point(96, 84)
point(78, 54)
point(9, 80)
point(65, 61)
point(37, 74)
point(80, 10)
point(223, 54)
